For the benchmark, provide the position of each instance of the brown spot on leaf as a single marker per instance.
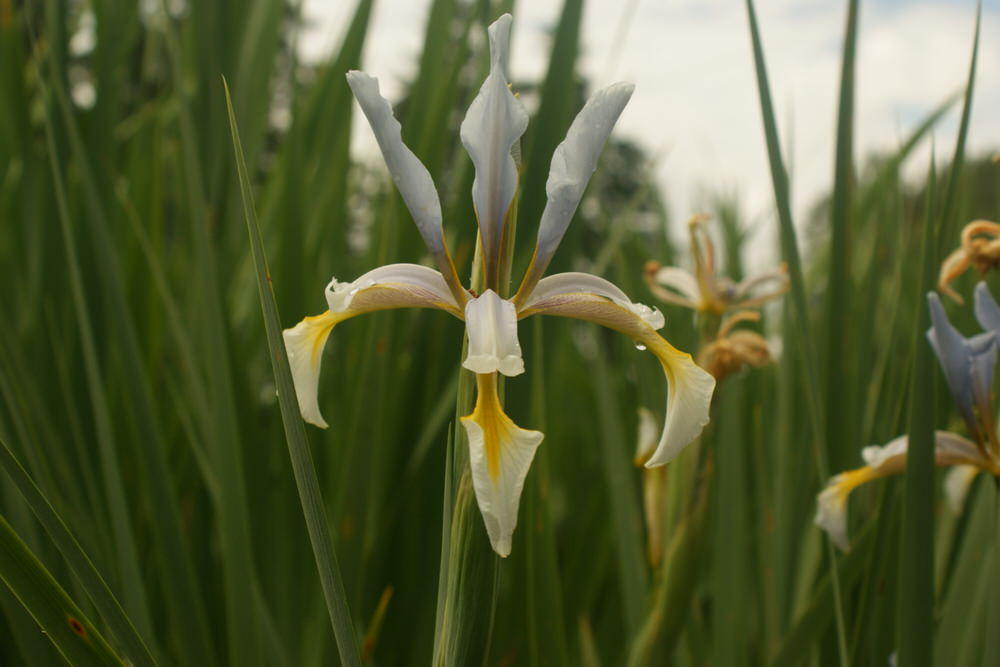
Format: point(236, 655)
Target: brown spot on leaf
point(76, 626)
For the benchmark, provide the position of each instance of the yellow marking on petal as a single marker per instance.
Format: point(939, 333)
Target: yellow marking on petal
point(886, 460)
point(500, 454)
point(305, 341)
point(490, 417)
point(320, 327)
point(852, 479)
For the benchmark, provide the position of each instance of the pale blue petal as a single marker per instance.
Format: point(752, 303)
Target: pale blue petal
point(983, 360)
point(968, 363)
point(987, 311)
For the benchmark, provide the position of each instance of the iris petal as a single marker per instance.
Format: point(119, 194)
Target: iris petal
point(304, 344)
point(689, 388)
point(882, 461)
point(411, 177)
point(402, 286)
point(576, 282)
point(494, 122)
point(491, 323)
point(647, 436)
point(956, 485)
point(573, 163)
point(387, 287)
point(968, 363)
point(987, 311)
point(681, 282)
point(500, 454)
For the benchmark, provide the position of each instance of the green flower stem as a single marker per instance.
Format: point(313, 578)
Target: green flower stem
point(468, 565)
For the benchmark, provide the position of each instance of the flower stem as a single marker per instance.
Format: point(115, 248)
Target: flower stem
point(469, 568)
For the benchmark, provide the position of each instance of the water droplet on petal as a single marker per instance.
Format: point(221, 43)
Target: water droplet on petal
point(640, 347)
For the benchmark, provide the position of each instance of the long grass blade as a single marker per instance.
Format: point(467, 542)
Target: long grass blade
point(104, 600)
point(57, 615)
point(916, 553)
point(789, 244)
point(306, 481)
point(839, 389)
point(948, 211)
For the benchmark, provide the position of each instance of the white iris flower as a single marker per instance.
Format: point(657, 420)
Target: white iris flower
point(500, 451)
point(968, 365)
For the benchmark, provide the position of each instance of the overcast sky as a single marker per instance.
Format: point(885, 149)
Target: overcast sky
point(695, 105)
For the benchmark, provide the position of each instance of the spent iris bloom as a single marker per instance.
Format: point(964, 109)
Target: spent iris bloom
point(500, 452)
point(732, 351)
point(980, 248)
point(704, 291)
point(968, 365)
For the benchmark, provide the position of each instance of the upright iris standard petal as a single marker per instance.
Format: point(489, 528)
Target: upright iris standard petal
point(689, 388)
point(391, 286)
point(890, 459)
point(491, 323)
point(987, 311)
point(494, 122)
point(968, 363)
point(500, 454)
point(573, 163)
point(409, 174)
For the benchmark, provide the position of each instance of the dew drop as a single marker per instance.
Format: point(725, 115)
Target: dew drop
point(640, 347)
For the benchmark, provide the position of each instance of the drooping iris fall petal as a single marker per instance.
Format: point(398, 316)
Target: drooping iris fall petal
point(689, 387)
point(387, 287)
point(500, 453)
point(882, 461)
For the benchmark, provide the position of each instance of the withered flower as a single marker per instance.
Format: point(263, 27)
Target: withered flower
point(704, 291)
point(731, 351)
point(980, 248)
